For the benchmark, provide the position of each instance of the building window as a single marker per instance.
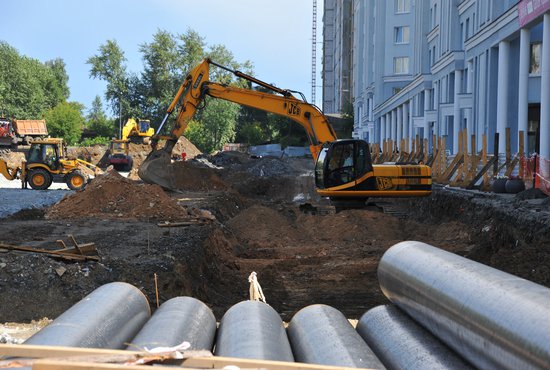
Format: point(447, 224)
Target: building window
point(402, 6)
point(402, 35)
point(396, 90)
point(534, 65)
point(401, 65)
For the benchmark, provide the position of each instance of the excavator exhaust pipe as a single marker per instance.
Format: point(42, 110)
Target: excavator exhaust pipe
point(156, 167)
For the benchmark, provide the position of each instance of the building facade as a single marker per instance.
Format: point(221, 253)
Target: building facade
point(436, 67)
point(337, 56)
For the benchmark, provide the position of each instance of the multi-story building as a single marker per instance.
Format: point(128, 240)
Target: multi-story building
point(430, 67)
point(337, 56)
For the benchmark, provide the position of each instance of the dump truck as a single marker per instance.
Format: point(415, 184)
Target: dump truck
point(47, 162)
point(119, 155)
point(19, 131)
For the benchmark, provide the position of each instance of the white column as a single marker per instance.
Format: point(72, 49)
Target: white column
point(470, 77)
point(502, 93)
point(456, 118)
point(545, 91)
point(406, 123)
point(436, 108)
point(382, 129)
point(399, 126)
point(388, 126)
point(426, 109)
point(523, 88)
point(411, 121)
point(469, 125)
point(393, 125)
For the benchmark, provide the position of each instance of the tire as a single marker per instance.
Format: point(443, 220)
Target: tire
point(39, 179)
point(514, 186)
point(76, 180)
point(499, 186)
point(128, 167)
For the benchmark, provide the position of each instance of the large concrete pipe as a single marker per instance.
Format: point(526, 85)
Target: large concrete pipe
point(252, 329)
point(177, 320)
point(321, 334)
point(400, 343)
point(493, 319)
point(108, 317)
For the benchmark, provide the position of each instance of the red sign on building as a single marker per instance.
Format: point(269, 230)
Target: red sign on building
point(529, 10)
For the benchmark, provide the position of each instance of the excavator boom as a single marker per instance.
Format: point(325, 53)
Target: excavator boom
point(343, 167)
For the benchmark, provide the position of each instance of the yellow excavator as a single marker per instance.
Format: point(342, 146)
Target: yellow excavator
point(46, 162)
point(343, 168)
point(137, 131)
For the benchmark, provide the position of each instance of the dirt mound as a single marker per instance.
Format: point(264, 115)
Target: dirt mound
point(112, 196)
point(191, 175)
point(268, 225)
point(93, 154)
point(13, 159)
point(185, 146)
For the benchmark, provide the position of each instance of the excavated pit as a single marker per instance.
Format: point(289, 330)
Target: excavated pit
point(301, 257)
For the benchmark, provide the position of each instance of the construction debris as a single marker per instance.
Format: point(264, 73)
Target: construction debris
point(82, 252)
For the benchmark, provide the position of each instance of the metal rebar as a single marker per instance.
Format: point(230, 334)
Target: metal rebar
point(493, 319)
point(108, 317)
point(253, 329)
point(320, 334)
point(400, 343)
point(177, 320)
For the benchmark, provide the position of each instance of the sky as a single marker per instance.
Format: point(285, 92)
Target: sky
point(275, 35)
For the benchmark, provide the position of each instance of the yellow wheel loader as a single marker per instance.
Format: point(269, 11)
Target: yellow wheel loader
point(46, 162)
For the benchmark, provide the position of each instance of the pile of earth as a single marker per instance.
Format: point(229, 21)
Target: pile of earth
point(93, 154)
point(111, 196)
point(13, 159)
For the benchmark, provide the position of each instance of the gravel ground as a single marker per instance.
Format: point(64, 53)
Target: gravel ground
point(13, 198)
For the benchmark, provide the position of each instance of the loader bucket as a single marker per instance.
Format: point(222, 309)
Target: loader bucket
point(156, 169)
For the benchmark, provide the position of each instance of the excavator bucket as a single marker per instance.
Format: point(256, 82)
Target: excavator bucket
point(156, 169)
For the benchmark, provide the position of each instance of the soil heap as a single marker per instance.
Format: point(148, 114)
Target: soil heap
point(112, 196)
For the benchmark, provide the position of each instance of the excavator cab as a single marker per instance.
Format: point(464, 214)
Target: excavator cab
point(340, 164)
point(44, 153)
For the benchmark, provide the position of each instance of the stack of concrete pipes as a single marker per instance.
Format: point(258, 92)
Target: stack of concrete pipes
point(447, 313)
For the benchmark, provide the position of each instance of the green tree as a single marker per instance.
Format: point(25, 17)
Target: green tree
point(109, 65)
point(160, 77)
point(28, 88)
point(65, 120)
point(214, 126)
point(98, 122)
point(59, 84)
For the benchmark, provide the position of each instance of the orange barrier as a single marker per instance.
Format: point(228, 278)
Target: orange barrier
point(536, 172)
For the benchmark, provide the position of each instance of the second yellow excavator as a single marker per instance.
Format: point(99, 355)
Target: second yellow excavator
point(343, 168)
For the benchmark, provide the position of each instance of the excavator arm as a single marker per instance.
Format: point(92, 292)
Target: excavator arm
point(343, 169)
point(191, 94)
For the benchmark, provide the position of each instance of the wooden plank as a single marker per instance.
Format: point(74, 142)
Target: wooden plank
point(62, 358)
point(482, 172)
point(453, 167)
point(457, 163)
point(178, 224)
point(210, 362)
point(508, 146)
point(521, 154)
point(36, 351)
point(511, 167)
point(51, 253)
point(426, 150)
point(484, 160)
